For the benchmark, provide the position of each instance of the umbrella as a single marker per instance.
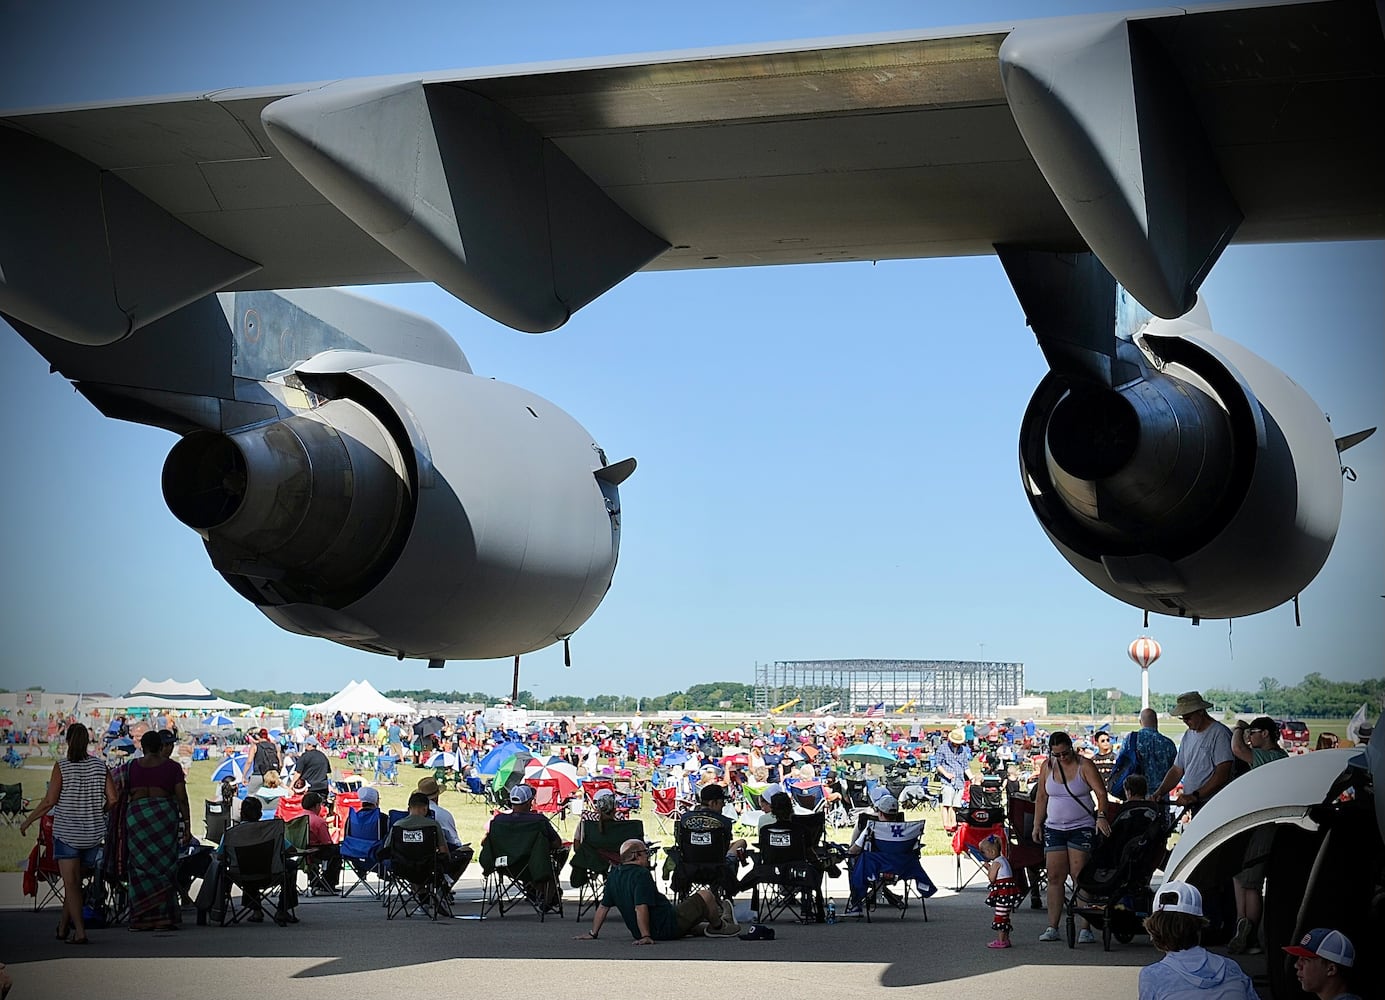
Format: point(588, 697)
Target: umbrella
point(124, 744)
point(441, 758)
point(511, 772)
point(868, 753)
point(564, 774)
point(735, 758)
point(6, 722)
point(430, 726)
point(674, 757)
point(274, 734)
point(254, 713)
point(232, 767)
point(490, 763)
point(217, 720)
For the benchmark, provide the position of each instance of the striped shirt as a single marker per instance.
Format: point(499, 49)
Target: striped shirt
point(79, 817)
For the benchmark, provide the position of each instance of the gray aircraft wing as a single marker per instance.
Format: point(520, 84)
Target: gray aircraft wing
point(527, 191)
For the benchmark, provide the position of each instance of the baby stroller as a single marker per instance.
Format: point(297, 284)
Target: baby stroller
point(1113, 892)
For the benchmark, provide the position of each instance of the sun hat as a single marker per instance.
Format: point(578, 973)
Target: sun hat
point(429, 786)
point(958, 736)
point(1178, 897)
point(519, 795)
point(1327, 944)
point(1188, 703)
point(369, 795)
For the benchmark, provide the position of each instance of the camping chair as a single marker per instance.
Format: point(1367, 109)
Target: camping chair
point(789, 872)
point(13, 805)
point(255, 860)
point(1026, 857)
point(42, 880)
point(702, 843)
point(361, 847)
point(475, 790)
point(548, 798)
point(593, 855)
point(975, 824)
point(387, 768)
point(518, 868)
point(665, 806)
point(890, 862)
point(414, 880)
point(290, 808)
point(296, 833)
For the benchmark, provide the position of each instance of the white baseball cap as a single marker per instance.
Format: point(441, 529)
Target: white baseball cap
point(1327, 944)
point(1178, 897)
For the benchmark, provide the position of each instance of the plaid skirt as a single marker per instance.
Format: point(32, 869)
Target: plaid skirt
point(151, 838)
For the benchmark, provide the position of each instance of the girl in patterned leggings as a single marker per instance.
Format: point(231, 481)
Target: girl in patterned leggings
point(1004, 893)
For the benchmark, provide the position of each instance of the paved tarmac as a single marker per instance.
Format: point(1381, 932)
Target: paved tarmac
point(346, 948)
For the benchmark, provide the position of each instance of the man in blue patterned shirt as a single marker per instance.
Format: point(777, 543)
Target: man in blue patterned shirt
point(1145, 751)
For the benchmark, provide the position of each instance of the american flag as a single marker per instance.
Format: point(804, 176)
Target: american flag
point(875, 709)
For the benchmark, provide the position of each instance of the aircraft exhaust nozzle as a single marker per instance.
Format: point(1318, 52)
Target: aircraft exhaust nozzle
point(311, 503)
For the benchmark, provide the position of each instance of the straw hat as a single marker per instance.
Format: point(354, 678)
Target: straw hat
point(958, 736)
point(1188, 703)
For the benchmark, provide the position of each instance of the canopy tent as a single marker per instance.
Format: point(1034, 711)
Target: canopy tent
point(151, 703)
point(170, 688)
point(361, 697)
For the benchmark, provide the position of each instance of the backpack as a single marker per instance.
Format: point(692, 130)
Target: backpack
point(266, 758)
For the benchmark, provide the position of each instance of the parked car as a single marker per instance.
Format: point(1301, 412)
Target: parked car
point(1293, 732)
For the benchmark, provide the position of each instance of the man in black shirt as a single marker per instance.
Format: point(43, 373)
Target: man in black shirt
point(313, 770)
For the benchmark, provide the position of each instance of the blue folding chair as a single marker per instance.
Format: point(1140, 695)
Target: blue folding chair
point(361, 844)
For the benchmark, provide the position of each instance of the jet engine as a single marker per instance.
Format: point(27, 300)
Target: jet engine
point(1203, 483)
point(408, 509)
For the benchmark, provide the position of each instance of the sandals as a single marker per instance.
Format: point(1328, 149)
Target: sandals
point(79, 941)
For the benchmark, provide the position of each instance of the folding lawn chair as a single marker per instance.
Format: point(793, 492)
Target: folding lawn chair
point(255, 860)
point(414, 881)
point(890, 864)
point(975, 824)
point(361, 849)
point(42, 880)
point(665, 806)
point(790, 872)
point(702, 843)
point(593, 855)
point(13, 805)
point(518, 868)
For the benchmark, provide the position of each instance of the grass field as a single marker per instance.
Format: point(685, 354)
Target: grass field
point(470, 815)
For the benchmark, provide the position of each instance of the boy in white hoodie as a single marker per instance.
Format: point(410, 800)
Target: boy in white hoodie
point(1188, 971)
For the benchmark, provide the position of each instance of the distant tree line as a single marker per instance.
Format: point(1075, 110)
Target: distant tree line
point(1313, 697)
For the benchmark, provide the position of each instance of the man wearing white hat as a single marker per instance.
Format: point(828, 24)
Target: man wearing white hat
point(1205, 758)
point(951, 762)
point(1187, 971)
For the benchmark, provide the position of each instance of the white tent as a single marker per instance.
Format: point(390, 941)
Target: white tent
point(193, 689)
point(361, 696)
point(174, 704)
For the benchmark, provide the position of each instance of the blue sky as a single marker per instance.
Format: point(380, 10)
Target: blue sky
point(827, 453)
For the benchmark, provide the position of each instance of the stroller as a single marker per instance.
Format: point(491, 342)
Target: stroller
point(1113, 892)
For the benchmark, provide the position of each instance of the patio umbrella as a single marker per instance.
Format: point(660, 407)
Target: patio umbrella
point(564, 774)
point(213, 721)
point(442, 758)
point(511, 772)
point(868, 753)
point(232, 767)
point(6, 722)
point(124, 745)
point(491, 762)
point(674, 757)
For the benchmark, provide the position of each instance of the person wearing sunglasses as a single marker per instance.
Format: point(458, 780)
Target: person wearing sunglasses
point(1255, 743)
point(1066, 822)
point(648, 913)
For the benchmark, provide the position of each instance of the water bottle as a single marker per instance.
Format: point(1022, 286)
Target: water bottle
point(831, 911)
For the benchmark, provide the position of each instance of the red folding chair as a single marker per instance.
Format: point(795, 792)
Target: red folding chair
point(341, 813)
point(976, 825)
point(592, 786)
point(290, 807)
point(665, 806)
point(548, 798)
point(42, 880)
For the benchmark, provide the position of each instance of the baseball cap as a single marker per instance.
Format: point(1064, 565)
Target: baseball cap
point(310, 741)
point(521, 794)
point(166, 736)
point(887, 803)
point(712, 793)
point(1178, 897)
point(757, 932)
point(369, 795)
point(1325, 943)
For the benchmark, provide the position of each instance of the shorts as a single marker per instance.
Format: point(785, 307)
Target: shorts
point(952, 797)
point(1069, 840)
point(1257, 853)
point(88, 856)
point(690, 914)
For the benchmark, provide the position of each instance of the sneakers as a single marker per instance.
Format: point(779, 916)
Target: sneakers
point(1085, 936)
point(998, 944)
point(257, 917)
point(852, 910)
point(728, 912)
point(1245, 934)
point(728, 928)
point(1049, 934)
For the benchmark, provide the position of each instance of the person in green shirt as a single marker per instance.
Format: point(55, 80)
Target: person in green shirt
point(1255, 743)
point(648, 913)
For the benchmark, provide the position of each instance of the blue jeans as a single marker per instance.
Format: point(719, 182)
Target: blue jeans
point(89, 857)
point(1068, 840)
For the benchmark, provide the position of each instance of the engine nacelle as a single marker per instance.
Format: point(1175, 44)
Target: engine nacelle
point(408, 509)
point(1209, 486)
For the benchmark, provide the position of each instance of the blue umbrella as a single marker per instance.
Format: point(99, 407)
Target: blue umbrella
point(491, 762)
point(868, 753)
point(231, 767)
point(674, 757)
point(122, 743)
point(217, 720)
point(441, 758)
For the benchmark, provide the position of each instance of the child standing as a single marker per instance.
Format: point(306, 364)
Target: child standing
point(1004, 893)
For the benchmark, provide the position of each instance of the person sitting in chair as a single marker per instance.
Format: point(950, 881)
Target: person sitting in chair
point(522, 811)
point(251, 810)
point(648, 913)
point(325, 852)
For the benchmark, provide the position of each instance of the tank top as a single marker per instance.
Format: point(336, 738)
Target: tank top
point(1064, 811)
point(78, 819)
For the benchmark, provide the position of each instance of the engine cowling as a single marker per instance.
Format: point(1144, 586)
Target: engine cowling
point(1208, 486)
point(408, 509)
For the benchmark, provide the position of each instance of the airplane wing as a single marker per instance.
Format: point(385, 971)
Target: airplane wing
point(527, 191)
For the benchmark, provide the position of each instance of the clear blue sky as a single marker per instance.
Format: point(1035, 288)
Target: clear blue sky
point(827, 453)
